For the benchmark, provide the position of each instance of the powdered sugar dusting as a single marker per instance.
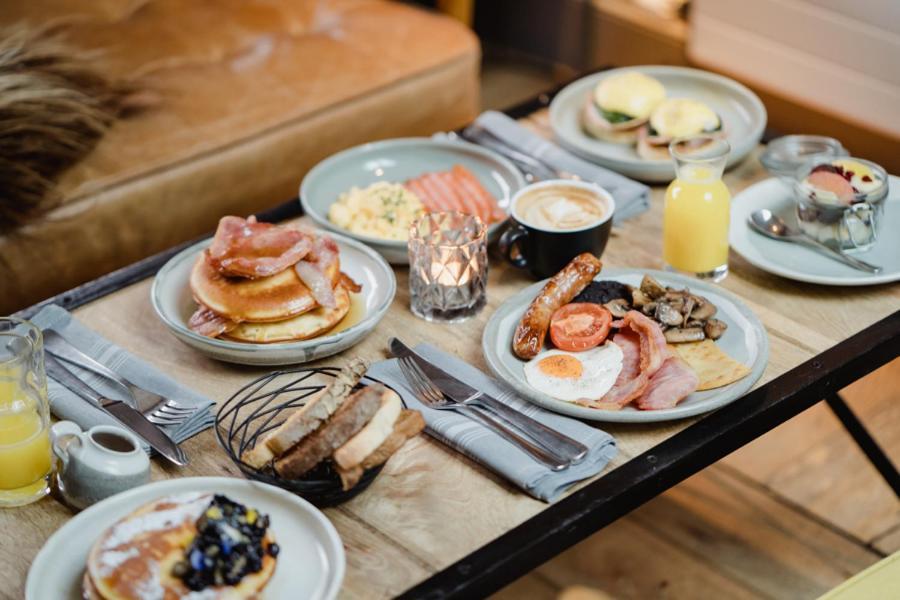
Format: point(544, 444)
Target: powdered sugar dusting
point(110, 560)
point(128, 530)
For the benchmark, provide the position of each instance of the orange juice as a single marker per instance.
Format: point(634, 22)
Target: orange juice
point(696, 218)
point(25, 462)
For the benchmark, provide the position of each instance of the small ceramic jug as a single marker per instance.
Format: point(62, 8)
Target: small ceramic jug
point(97, 463)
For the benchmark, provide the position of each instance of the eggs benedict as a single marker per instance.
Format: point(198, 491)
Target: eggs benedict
point(675, 118)
point(620, 104)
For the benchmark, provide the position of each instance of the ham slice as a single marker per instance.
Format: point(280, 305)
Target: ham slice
point(246, 248)
point(207, 323)
point(670, 385)
point(637, 332)
point(313, 270)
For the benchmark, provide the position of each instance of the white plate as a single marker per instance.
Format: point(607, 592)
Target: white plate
point(745, 340)
point(802, 264)
point(743, 118)
point(398, 160)
point(172, 301)
point(311, 563)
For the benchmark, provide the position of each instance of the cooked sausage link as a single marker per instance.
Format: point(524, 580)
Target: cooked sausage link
point(559, 291)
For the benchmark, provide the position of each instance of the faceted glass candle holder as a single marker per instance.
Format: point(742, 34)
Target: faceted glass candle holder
point(448, 266)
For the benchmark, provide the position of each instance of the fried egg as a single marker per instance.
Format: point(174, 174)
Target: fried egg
point(572, 376)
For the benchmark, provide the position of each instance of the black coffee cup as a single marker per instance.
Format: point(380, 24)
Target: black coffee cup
point(544, 251)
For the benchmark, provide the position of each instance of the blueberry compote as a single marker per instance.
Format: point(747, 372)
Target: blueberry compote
point(228, 546)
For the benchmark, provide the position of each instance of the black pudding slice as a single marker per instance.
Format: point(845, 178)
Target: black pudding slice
point(601, 292)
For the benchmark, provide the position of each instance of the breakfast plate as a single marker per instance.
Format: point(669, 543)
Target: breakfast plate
point(744, 340)
point(398, 160)
point(803, 264)
point(742, 114)
point(173, 303)
point(311, 560)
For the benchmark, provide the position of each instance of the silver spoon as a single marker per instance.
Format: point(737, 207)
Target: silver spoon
point(771, 225)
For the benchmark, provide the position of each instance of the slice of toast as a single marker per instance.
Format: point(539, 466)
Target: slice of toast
point(373, 434)
point(307, 419)
point(408, 425)
point(352, 416)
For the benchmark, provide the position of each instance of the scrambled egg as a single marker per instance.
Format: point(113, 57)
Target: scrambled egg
point(382, 210)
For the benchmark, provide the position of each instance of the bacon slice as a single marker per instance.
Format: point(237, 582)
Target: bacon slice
point(313, 270)
point(670, 385)
point(246, 248)
point(652, 353)
point(349, 284)
point(207, 323)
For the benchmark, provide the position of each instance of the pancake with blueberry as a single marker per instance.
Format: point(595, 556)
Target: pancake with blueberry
point(176, 545)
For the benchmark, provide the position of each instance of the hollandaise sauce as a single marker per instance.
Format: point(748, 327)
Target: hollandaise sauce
point(696, 215)
point(24, 442)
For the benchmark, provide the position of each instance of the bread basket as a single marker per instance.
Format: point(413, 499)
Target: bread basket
point(265, 403)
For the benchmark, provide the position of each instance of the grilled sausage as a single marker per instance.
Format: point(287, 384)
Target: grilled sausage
point(559, 291)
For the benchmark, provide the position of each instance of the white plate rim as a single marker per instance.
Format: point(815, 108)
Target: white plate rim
point(399, 245)
point(249, 347)
point(655, 165)
point(728, 394)
point(204, 484)
point(739, 236)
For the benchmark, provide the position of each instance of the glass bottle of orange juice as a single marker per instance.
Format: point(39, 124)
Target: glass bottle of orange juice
point(697, 209)
point(25, 463)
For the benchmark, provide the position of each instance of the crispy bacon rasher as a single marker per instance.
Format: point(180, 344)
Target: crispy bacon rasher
point(247, 248)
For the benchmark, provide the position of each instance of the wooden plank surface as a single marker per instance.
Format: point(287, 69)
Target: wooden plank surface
point(430, 506)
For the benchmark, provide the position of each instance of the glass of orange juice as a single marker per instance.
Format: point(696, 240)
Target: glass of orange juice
point(697, 208)
point(25, 464)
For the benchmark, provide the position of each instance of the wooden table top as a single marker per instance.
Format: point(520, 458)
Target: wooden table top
point(431, 506)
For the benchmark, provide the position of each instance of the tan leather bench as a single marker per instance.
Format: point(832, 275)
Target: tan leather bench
point(252, 93)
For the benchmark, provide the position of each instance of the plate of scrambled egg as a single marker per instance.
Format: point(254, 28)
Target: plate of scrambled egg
point(375, 191)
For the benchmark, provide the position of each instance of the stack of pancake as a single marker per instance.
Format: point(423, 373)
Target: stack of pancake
point(135, 557)
point(277, 307)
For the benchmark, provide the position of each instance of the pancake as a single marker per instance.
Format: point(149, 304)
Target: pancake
point(133, 559)
point(301, 327)
point(262, 300)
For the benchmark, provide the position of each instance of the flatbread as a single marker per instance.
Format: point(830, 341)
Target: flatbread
point(713, 367)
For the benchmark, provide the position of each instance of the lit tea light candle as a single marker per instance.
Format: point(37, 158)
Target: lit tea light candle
point(448, 266)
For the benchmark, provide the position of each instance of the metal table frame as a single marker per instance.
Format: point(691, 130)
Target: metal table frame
point(644, 477)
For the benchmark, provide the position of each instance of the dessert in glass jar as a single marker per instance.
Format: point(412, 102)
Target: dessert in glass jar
point(840, 201)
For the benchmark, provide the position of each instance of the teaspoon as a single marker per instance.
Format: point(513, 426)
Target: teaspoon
point(770, 225)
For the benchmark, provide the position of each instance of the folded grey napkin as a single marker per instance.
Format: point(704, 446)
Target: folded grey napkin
point(67, 405)
point(490, 449)
point(632, 198)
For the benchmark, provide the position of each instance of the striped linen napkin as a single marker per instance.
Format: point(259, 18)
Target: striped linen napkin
point(490, 449)
point(67, 405)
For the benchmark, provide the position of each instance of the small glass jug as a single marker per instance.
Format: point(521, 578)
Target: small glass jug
point(697, 209)
point(25, 463)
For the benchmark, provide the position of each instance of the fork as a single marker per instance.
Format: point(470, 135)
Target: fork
point(432, 397)
point(158, 409)
point(535, 166)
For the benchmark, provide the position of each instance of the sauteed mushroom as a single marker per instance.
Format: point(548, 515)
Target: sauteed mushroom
point(652, 288)
point(714, 329)
point(618, 307)
point(680, 335)
point(667, 314)
point(704, 310)
point(639, 298)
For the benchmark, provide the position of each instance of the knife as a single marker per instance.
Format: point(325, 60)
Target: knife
point(549, 438)
point(120, 411)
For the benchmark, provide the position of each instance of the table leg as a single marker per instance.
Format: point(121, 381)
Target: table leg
point(865, 441)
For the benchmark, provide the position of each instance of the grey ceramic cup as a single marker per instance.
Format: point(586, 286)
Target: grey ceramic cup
point(96, 464)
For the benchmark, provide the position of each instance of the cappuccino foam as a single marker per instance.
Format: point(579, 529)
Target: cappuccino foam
point(560, 208)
